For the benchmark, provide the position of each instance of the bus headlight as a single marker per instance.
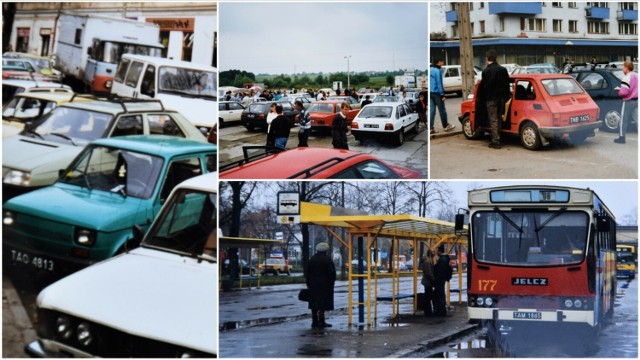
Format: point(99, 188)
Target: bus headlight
point(568, 303)
point(108, 84)
point(488, 302)
point(577, 304)
point(480, 301)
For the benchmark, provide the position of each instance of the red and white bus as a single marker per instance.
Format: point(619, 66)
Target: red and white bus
point(540, 254)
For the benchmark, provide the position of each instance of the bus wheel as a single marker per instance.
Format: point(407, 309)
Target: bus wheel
point(529, 136)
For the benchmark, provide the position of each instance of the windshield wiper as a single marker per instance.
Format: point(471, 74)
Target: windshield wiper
point(29, 131)
point(515, 226)
point(64, 137)
point(555, 215)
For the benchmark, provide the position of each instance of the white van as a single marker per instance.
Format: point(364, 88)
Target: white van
point(189, 88)
point(452, 78)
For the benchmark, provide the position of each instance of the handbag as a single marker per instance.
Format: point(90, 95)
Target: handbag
point(303, 295)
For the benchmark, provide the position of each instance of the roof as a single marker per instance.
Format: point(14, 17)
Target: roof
point(33, 84)
point(115, 107)
point(228, 241)
point(51, 96)
point(533, 41)
point(207, 183)
point(158, 61)
point(161, 145)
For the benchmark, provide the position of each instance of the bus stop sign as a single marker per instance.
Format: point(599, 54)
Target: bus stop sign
point(288, 207)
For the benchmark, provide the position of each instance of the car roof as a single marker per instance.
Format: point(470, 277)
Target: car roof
point(541, 76)
point(54, 96)
point(161, 145)
point(385, 104)
point(158, 61)
point(115, 107)
point(206, 182)
point(33, 84)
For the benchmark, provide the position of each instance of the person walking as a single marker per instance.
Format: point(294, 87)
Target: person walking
point(321, 278)
point(270, 117)
point(492, 94)
point(304, 125)
point(442, 273)
point(339, 128)
point(629, 93)
point(366, 101)
point(280, 129)
point(436, 97)
point(422, 110)
point(428, 281)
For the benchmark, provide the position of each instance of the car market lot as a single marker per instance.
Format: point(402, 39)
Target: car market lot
point(411, 154)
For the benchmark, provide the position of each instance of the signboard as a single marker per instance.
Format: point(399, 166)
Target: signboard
point(288, 203)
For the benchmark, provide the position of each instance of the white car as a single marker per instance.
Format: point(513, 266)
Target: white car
point(11, 87)
point(452, 78)
point(229, 111)
point(384, 120)
point(156, 301)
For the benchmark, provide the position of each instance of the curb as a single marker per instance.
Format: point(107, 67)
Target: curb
point(445, 338)
point(442, 133)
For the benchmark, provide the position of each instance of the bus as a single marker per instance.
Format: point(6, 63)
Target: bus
point(626, 261)
point(540, 255)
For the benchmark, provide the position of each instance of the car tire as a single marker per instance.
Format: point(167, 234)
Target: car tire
point(220, 122)
point(277, 273)
point(611, 121)
point(469, 133)
point(289, 272)
point(399, 137)
point(249, 127)
point(530, 136)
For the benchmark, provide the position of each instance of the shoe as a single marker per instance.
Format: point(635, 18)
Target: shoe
point(620, 140)
point(432, 131)
point(495, 145)
point(324, 325)
point(449, 127)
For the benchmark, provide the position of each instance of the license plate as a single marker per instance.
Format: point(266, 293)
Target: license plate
point(371, 126)
point(579, 119)
point(527, 315)
point(23, 258)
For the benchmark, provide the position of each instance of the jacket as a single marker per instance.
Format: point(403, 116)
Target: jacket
point(428, 278)
point(321, 277)
point(339, 132)
point(436, 85)
point(280, 127)
point(629, 88)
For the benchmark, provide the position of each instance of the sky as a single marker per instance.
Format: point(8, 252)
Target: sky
point(283, 38)
point(437, 20)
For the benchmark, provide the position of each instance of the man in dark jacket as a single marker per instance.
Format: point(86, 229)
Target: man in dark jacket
point(339, 128)
point(442, 272)
point(321, 277)
point(492, 94)
point(280, 129)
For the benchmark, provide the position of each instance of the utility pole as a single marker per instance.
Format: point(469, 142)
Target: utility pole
point(348, 57)
point(466, 49)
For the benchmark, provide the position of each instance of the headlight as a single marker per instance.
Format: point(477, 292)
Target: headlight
point(488, 302)
point(8, 219)
point(480, 301)
point(63, 327)
point(108, 84)
point(17, 177)
point(85, 237)
point(577, 303)
point(85, 334)
point(568, 303)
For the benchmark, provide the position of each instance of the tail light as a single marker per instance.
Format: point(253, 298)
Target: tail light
point(388, 127)
point(556, 119)
point(354, 125)
point(261, 116)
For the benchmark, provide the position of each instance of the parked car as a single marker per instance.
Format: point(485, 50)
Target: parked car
point(246, 268)
point(89, 213)
point(386, 98)
point(275, 266)
point(547, 65)
point(355, 104)
point(384, 120)
point(42, 63)
point(412, 99)
point(229, 112)
point(255, 115)
point(364, 97)
point(10, 88)
point(34, 158)
point(24, 69)
point(322, 113)
point(510, 67)
point(600, 84)
point(165, 316)
point(452, 78)
point(316, 163)
point(543, 107)
point(292, 98)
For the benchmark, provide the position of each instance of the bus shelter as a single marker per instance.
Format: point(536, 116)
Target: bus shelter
point(363, 234)
point(250, 243)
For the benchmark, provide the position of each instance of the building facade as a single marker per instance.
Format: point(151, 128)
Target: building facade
point(187, 29)
point(543, 32)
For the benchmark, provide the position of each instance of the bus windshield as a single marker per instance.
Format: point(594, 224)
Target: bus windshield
point(529, 238)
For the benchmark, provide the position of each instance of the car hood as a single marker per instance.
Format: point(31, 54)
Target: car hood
point(147, 293)
point(199, 111)
point(406, 173)
point(70, 204)
point(40, 157)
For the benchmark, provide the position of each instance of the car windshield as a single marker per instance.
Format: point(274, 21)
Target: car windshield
point(275, 262)
point(257, 108)
point(119, 171)
point(24, 108)
point(376, 112)
point(323, 108)
point(618, 74)
point(562, 86)
point(186, 225)
point(386, 99)
point(111, 52)
point(187, 81)
point(71, 126)
point(530, 238)
point(625, 258)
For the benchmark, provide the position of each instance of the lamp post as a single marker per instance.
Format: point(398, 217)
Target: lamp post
point(348, 71)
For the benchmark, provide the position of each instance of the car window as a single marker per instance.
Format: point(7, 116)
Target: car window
point(524, 90)
point(128, 125)
point(257, 108)
point(122, 70)
point(323, 108)
point(375, 112)
point(163, 124)
point(594, 81)
point(71, 126)
point(452, 72)
point(148, 86)
point(371, 169)
point(561, 87)
point(400, 112)
point(179, 171)
point(134, 73)
point(235, 106)
point(222, 106)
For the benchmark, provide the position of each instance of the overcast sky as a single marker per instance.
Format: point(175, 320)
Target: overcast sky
point(437, 20)
point(280, 38)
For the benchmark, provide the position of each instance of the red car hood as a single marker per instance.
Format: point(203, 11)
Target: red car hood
point(406, 173)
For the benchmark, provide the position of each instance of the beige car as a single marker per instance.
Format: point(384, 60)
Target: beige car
point(275, 266)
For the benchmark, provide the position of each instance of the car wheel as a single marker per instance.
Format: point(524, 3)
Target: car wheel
point(611, 121)
point(277, 272)
point(468, 132)
point(220, 122)
point(289, 272)
point(249, 127)
point(399, 137)
point(529, 136)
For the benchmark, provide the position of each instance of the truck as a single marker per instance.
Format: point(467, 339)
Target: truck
point(89, 47)
point(408, 80)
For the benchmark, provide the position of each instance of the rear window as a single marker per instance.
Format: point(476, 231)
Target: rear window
point(375, 112)
point(323, 108)
point(257, 108)
point(556, 87)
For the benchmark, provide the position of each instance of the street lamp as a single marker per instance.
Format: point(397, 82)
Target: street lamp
point(348, 78)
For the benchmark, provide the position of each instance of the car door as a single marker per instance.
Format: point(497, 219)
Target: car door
point(601, 91)
point(452, 80)
point(526, 104)
point(410, 117)
point(132, 79)
point(235, 111)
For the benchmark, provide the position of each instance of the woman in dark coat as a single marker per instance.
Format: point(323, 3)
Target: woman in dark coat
point(321, 277)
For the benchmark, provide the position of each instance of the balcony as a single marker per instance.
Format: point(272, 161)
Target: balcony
point(452, 16)
point(627, 15)
point(597, 12)
point(525, 8)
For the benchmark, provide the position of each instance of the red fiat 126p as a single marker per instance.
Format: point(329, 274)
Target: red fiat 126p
point(542, 107)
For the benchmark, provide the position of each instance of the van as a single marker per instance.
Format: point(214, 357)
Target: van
point(189, 88)
point(452, 78)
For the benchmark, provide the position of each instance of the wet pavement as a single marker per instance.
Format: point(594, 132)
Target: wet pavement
point(17, 329)
point(272, 322)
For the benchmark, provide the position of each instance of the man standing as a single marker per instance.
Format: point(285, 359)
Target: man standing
point(339, 128)
point(436, 97)
point(304, 125)
point(428, 280)
point(366, 101)
point(494, 92)
point(442, 272)
point(629, 93)
point(321, 277)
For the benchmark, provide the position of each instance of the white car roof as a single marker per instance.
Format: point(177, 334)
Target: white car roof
point(33, 84)
point(206, 182)
point(158, 61)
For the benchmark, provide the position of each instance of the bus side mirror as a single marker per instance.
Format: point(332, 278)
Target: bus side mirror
point(603, 223)
point(459, 222)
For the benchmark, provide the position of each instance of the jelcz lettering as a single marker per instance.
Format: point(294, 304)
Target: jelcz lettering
point(530, 281)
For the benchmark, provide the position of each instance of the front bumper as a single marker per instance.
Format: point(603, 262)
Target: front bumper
point(546, 316)
point(560, 132)
point(52, 349)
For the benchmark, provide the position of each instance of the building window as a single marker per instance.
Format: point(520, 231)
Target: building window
point(482, 5)
point(481, 26)
point(470, 6)
point(572, 5)
point(628, 6)
point(522, 22)
point(501, 24)
point(597, 27)
point(627, 29)
point(573, 26)
point(598, 4)
point(45, 39)
point(22, 40)
point(472, 29)
point(557, 25)
point(556, 4)
point(535, 24)
point(454, 31)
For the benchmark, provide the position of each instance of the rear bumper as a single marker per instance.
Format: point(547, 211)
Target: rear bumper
point(546, 316)
point(559, 132)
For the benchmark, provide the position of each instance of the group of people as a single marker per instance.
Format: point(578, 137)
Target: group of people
point(434, 278)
